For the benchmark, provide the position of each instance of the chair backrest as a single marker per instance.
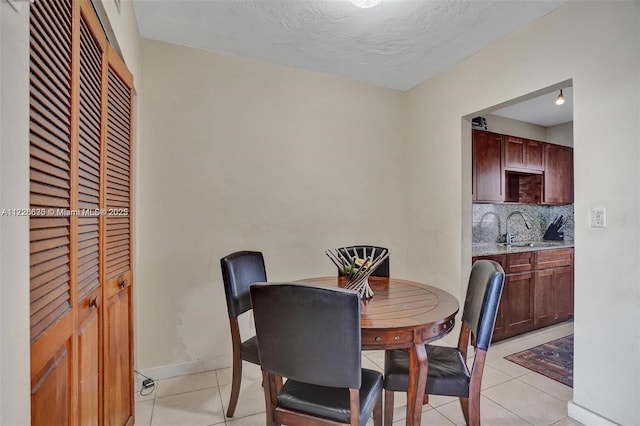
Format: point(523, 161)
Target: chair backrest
point(239, 271)
point(364, 251)
point(482, 300)
point(309, 333)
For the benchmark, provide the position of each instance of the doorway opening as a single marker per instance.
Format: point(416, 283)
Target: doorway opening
point(521, 214)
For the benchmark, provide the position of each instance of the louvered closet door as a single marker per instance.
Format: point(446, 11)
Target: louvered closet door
point(80, 252)
point(52, 325)
point(89, 293)
point(118, 231)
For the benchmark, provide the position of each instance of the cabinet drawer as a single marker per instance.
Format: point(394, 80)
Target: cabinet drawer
point(377, 339)
point(501, 259)
point(520, 262)
point(554, 258)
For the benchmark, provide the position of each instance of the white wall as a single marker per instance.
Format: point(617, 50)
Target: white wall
point(123, 22)
point(507, 126)
point(14, 231)
point(237, 154)
point(596, 45)
point(562, 134)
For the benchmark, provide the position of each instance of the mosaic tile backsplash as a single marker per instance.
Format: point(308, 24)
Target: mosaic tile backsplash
point(489, 221)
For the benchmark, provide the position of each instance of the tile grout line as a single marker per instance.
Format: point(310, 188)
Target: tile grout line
point(542, 390)
point(153, 408)
point(500, 405)
point(224, 413)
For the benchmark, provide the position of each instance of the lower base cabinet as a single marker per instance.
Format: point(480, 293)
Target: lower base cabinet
point(517, 312)
point(538, 290)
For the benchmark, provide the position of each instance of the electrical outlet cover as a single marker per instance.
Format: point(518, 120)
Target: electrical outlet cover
point(598, 217)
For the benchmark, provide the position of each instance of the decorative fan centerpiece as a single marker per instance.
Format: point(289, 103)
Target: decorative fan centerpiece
point(357, 267)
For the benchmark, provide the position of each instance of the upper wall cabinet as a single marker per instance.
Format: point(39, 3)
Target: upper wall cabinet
point(558, 175)
point(488, 167)
point(509, 169)
point(524, 155)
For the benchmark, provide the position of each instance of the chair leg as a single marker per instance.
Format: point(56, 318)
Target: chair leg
point(377, 412)
point(235, 386)
point(388, 407)
point(269, 396)
point(473, 407)
point(471, 411)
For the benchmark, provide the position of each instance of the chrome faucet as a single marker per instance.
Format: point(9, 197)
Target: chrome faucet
point(509, 236)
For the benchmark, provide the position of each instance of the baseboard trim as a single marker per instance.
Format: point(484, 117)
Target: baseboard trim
point(193, 367)
point(587, 417)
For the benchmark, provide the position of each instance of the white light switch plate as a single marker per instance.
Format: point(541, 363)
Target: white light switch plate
point(598, 217)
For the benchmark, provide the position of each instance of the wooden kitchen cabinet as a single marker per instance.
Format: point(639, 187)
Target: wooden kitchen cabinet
point(523, 155)
point(558, 174)
point(517, 304)
point(553, 296)
point(554, 286)
point(487, 165)
point(563, 293)
point(538, 290)
point(510, 169)
point(543, 302)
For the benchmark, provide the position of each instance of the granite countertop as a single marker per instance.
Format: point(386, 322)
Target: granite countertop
point(488, 249)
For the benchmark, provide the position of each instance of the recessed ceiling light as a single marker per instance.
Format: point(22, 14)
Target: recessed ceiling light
point(366, 4)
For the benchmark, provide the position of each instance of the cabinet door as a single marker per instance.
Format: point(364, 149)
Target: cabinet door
point(543, 301)
point(534, 159)
point(488, 171)
point(523, 155)
point(558, 174)
point(563, 293)
point(517, 309)
point(499, 330)
point(118, 362)
point(515, 152)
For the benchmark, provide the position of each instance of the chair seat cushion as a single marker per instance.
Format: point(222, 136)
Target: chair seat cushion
point(249, 351)
point(331, 403)
point(447, 375)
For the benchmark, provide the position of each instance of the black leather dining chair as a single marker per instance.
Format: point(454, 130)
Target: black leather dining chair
point(239, 271)
point(448, 373)
point(363, 251)
point(311, 335)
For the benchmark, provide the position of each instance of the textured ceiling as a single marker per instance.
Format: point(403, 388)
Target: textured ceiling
point(397, 44)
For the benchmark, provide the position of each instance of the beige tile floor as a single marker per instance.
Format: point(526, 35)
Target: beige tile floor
point(511, 395)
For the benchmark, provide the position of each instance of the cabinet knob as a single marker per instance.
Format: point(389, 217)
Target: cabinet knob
point(122, 283)
point(378, 338)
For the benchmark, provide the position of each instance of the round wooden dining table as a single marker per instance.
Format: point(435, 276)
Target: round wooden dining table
point(403, 314)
